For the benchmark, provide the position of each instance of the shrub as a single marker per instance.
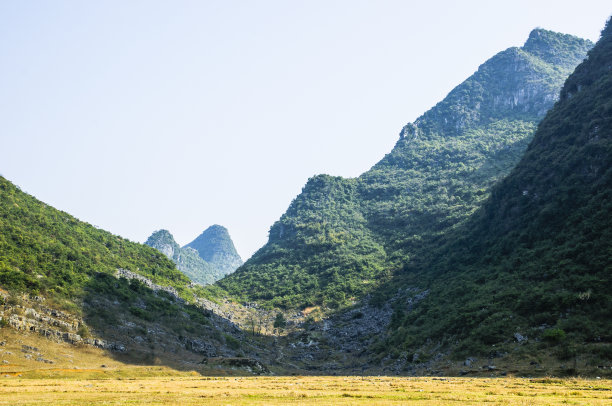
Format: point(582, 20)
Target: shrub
point(553, 335)
point(140, 313)
point(279, 321)
point(231, 342)
point(83, 331)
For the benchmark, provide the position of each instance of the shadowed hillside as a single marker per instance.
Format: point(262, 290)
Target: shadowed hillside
point(534, 264)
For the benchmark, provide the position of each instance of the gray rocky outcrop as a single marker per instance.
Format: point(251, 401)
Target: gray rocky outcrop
point(124, 273)
point(29, 314)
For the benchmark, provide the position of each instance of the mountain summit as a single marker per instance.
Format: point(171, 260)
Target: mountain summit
point(554, 48)
point(216, 247)
point(187, 260)
point(214, 257)
point(518, 83)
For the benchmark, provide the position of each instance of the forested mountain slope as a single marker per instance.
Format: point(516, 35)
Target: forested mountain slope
point(70, 281)
point(340, 238)
point(536, 259)
point(47, 251)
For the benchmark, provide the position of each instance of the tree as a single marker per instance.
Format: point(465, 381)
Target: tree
point(279, 321)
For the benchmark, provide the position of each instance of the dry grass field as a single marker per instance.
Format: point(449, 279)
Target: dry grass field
point(198, 390)
point(86, 375)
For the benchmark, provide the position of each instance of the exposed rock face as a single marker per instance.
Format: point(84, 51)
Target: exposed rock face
point(128, 334)
point(124, 273)
point(216, 247)
point(347, 337)
point(29, 314)
point(520, 338)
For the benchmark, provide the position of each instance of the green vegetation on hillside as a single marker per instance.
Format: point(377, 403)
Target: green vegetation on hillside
point(319, 252)
point(46, 251)
point(73, 266)
point(536, 259)
point(341, 238)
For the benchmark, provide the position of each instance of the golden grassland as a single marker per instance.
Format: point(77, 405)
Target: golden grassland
point(198, 390)
point(86, 375)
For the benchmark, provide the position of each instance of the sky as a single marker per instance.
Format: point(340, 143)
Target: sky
point(140, 115)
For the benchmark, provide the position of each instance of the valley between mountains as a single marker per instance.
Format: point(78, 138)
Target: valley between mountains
point(480, 245)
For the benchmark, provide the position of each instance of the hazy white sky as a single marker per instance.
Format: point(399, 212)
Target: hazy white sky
point(140, 115)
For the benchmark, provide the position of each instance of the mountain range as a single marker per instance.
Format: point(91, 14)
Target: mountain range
point(341, 238)
point(485, 234)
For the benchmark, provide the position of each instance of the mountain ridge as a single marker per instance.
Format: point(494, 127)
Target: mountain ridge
point(535, 259)
point(341, 237)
